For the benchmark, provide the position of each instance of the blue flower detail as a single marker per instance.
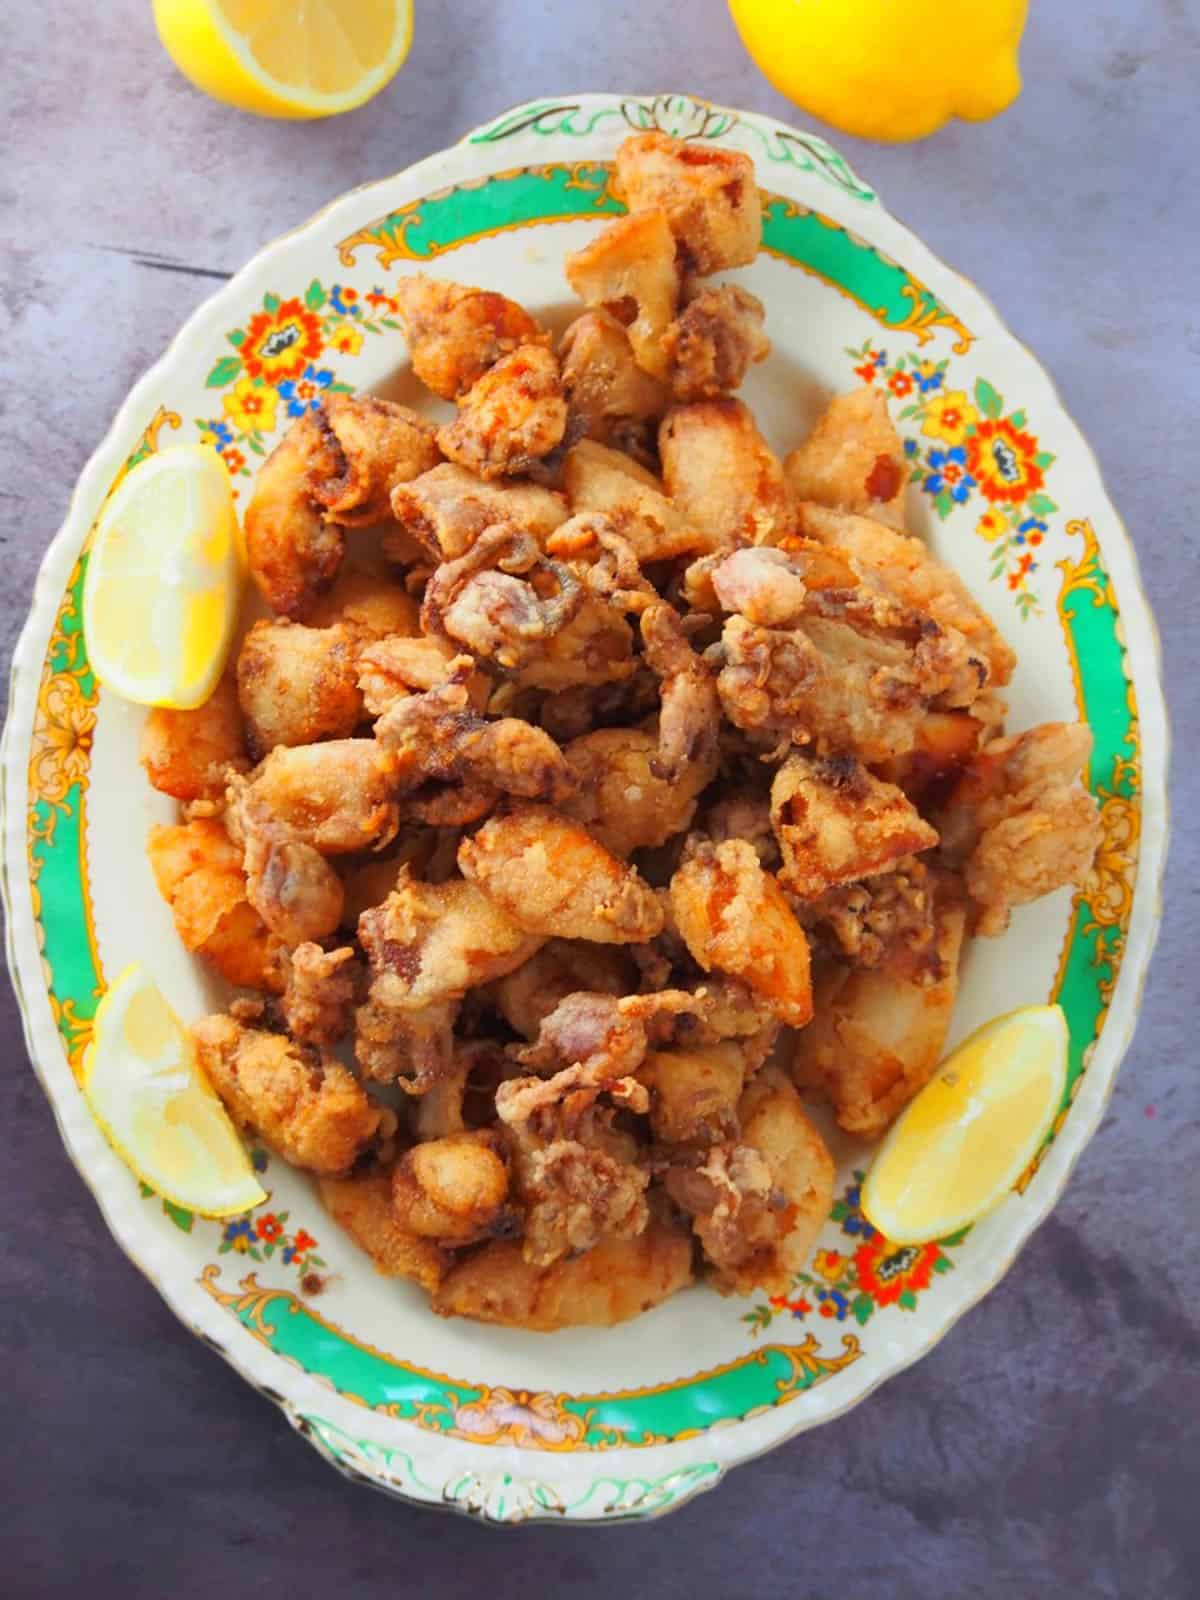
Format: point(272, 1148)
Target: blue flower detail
point(910, 447)
point(239, 1228)
point(927, 382)
point(1024, 529)
point(838, 1301)
point(342, 306)
point(881, 358)
point(958, 485)
point(298, 404)
point(290, 1254)
point(221, 432)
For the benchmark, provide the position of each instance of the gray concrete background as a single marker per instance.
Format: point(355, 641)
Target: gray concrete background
point(1051, 1440)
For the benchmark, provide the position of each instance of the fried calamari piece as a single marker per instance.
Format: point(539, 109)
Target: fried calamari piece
point(878, 1035)
point(447, 509)
point(618, 1279)
point(297, 685)
point(869, 919)
point(607, 393)
point(289, 883)
point(629, 270)
point(759, 1204)
point(526, 996)
point(362, 1205)
point(511, 417)
point(198, 870)
point(581, 708)
point(318, 999)
point(836, 822)
point(367, 601)
point(436, 737)
point(853, 459)
point(338, 796)
point(708, 194)
point(553, 878)
point(714, 341)
point(690, 715)
point(453, 1190)
point(945, 742)
point(744, 813)
point(504, 600)
point(378, 445)
point(428, 944)
point(292, 551)
point(911, 571)
point(299, 1100)
point(830, 685)
point(734, 916)
point(334, 466)
point(766, 586)
point(620, 797)
point(723, 476)
point(188, 754)
point(392, 669)
point(574, 1195)
point(694, 1093)
point(598, 479)
point(1019, 823)
point(455, 332)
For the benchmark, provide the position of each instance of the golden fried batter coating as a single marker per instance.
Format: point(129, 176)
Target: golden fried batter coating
point(869, 919)
point(759, 1203)
point(363, 1206)
point(913, 573)
point(708, 194)
point(618, 1279)
point(734, 916)
point(526, 996)
point(714, 342)
point(853, 459)
point(297, 685)
point(511, 417)
point(723, 475)
point(453, 1190)
point(455, 333)
point(318, 999)
point(188, 754)
point(602, 480)
point(368, 602)
point(694, 1093)
point(605, 389)
point(552, 877)
point(878, 1034)
point(629, 270)
point(299, 1100)
point(198, 870)
point(447, 509)
point(338, 796)
point(836, 822)
point(334, 466)
point(621, 799)
point(1019, 821)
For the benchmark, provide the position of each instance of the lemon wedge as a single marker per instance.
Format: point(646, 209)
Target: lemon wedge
point(280, 59)
point(158, 1110)
point(164, 579)
point(973, 1129)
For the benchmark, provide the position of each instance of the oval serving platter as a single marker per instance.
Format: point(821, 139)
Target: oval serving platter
point(595, 1425)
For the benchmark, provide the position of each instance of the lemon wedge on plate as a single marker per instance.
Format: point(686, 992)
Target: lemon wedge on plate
point(281, 59)
point(966, 1138)
point(158, 1110)
point(164, 580)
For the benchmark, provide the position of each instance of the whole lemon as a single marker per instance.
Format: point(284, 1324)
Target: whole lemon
point(888, 69)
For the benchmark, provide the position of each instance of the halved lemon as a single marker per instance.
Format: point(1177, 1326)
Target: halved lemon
point(279, 58)
point(157, 1108)
point(164, 580)
point(967, 1137)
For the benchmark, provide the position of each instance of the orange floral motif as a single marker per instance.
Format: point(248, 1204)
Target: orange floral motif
point(1003, 460)
point(281, 343)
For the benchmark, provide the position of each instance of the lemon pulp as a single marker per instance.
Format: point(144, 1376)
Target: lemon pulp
point(957, 1150)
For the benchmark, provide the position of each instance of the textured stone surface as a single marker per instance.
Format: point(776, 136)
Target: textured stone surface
point(1051, 1439)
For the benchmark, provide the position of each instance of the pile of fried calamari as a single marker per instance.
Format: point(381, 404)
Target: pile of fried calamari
point(599, 781)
